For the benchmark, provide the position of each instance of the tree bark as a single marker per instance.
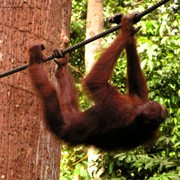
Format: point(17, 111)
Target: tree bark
point(94, 26)
point(28, 151)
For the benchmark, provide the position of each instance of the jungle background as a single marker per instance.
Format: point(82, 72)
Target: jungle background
point(158, 45)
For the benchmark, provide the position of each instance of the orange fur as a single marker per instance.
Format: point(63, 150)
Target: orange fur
point(116, 121)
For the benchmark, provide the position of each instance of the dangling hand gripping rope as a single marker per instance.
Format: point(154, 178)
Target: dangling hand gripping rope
point(80, 44)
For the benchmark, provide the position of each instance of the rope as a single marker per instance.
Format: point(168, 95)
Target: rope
point(137, 18)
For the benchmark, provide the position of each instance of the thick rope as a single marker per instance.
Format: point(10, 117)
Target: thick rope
point(137, 18)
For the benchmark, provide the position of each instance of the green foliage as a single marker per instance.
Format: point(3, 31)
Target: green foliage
point(158, 45)
point(74, 163)
point(78, 28)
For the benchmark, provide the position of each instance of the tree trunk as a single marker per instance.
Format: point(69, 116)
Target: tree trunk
point(93, 27)
point(28, 151)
